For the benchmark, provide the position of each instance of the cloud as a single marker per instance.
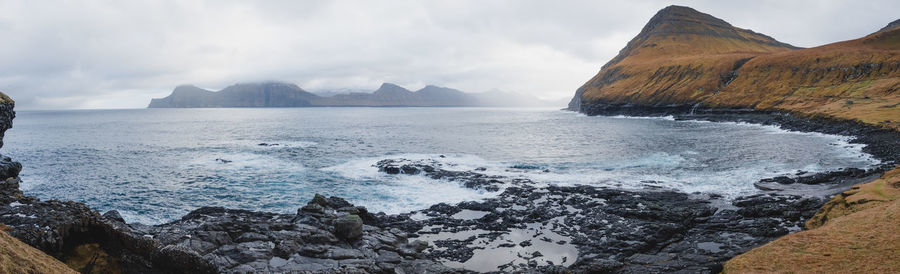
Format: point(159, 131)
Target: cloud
point(113, 54)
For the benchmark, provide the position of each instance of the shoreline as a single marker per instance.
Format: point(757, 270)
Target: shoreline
point(121, 237)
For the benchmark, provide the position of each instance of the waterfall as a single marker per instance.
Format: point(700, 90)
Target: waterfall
point(695, 107)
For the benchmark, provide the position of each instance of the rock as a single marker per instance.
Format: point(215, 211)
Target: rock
point(419, 245)
point(348, 228)
point(385, 256)
point(319, 200)
point(114, 216)
point(8, 167)
point(312, 208)
point(220, 160)
point(391, 169)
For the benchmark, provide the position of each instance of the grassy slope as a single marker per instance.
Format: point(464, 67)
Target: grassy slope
point(857, 79)
point(866, 240)
point(18, 257)
point(856, 231)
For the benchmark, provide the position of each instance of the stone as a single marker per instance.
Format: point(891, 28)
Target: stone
point(114, 216)
point(348, 228)
point(385, 256)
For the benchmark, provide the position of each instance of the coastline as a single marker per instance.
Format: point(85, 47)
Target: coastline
point(203, 245)
point(858, 216)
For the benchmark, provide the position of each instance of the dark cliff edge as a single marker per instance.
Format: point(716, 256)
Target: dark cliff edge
point(275, 94)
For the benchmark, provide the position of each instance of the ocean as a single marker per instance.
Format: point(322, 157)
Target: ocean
point(155, 165)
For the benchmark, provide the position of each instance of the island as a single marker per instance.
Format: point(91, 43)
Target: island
point(277, 94)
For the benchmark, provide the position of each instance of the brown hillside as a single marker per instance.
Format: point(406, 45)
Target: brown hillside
point(866, 239)
point(857, 79)
point(684, 57)
point(18, 257)
point(680, 56)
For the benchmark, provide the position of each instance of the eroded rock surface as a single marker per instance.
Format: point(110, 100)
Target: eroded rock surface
point(327, 235)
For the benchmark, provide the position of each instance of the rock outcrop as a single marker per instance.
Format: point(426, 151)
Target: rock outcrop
point(328, 235)
point(586, 229)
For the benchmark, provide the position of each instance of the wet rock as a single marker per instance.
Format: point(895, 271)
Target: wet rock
point(113, 215)
point(385, 256)
point(306, 241)
point(223, 161)
point(8, 167)
point(348, 227)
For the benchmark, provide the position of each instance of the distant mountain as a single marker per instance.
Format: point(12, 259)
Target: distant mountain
point(333, 92)
point(239, 95)
point(290, 95)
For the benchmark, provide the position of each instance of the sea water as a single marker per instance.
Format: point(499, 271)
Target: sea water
point(154, 165)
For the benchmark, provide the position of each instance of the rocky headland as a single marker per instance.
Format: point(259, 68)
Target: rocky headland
point(692, 65)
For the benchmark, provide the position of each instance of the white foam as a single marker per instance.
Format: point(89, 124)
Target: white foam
point(269, 144)
point(242, 161)
point(678, 172)
point(850, 150)
point(667, 118)
point(403, 193)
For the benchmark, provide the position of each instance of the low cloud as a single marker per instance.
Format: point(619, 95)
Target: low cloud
point(115, 54)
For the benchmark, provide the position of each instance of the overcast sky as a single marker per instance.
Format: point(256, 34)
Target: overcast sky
point(119, 54)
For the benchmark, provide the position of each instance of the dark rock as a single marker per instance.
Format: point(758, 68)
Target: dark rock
point(348, 227)
point(114, 216)
point(319, 200)
point(8, 167)
point(385, 256)
point(220, 160)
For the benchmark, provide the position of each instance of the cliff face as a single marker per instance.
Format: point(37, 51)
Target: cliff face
point(6, 115)
point(685, 59)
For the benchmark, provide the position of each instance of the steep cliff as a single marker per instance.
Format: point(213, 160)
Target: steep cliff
point(685, 60)
point(6, 115)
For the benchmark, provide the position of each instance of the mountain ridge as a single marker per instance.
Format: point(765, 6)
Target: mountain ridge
point(679, 50)
point(277, 94)
point(855, 81)
point(684, 59)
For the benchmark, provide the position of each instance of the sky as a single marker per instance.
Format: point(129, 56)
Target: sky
point(120, 54)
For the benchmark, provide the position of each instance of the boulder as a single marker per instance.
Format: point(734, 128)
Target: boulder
point(348, 228)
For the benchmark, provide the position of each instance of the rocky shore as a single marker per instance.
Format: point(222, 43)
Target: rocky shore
point(526, 227)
